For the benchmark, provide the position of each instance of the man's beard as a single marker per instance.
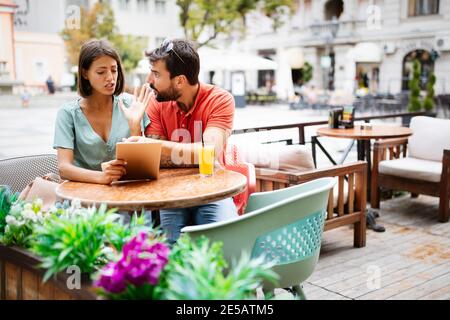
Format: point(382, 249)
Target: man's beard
point(169, 95)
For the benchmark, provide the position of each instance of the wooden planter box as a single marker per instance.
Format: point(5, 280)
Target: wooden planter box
point(21, 279)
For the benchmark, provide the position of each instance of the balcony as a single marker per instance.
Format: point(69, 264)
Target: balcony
point(335, 28)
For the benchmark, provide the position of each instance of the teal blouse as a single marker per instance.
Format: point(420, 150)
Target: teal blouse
point(73, 131)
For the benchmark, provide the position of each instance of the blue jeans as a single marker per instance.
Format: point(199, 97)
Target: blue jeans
point(173, 220)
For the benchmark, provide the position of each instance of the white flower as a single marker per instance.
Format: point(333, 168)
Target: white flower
point(11, 220)
point(39, 203)
point(76, 204)
point(16, 207)
point(30, 215)
point(28, 206)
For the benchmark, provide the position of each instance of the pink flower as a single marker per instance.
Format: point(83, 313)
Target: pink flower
point(141, 263)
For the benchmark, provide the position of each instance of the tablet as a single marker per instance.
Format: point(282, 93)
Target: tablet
point(143, 159)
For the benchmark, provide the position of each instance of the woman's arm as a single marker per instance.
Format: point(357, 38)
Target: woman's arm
point(111, 171)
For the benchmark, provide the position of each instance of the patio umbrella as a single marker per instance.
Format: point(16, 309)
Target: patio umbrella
point(213, 59)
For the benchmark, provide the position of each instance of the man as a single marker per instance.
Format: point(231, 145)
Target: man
point(182, 111)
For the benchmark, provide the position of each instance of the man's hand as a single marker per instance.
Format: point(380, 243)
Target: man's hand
point(112, 171)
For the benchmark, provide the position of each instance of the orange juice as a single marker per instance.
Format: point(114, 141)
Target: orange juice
point(206, 159)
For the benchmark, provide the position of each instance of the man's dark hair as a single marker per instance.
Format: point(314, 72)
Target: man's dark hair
point(181, 58)
point(90, 51)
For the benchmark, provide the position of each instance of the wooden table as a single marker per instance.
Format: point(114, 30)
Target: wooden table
point(175, 188)
point(377, 132)
point(363, 137)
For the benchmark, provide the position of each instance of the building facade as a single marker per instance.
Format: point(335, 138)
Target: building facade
point(359, 44)
point(7, 59)
point(39, 48)
point(154, 20)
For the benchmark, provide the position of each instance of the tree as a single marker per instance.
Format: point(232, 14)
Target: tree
point(307, 72)
point(215, 17)
point(99, 23)
point(428, 103)
point(414, 87)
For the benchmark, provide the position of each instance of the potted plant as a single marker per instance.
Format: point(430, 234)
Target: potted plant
point(414, 104)
point(127, 261)
point(428, 103)
point(191, 270)
point(56, 241)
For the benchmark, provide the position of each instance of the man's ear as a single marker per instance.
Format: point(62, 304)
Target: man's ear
point(181, 80)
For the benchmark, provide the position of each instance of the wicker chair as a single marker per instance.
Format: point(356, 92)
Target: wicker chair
point(18, 172)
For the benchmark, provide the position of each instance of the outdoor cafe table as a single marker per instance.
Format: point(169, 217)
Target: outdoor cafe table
point(175, 188)
point(363, 137)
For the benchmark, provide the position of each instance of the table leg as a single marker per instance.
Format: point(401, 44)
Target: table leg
point(313, 150)
point(347, 151)
point(364, 154)
point(315, 142)
point(368, 158)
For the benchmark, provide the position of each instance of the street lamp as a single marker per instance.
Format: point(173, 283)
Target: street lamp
point(329, 38)
point(334, 27)
point(327, 61)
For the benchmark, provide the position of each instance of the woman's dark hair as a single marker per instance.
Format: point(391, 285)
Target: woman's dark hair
point(90, 51)
point(180, 57)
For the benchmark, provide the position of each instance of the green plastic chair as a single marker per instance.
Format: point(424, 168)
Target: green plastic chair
point(285, 226)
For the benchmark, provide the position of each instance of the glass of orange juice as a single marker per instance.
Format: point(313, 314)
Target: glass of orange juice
point(206, 159)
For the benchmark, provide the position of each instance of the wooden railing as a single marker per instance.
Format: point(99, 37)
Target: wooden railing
point(302, 125)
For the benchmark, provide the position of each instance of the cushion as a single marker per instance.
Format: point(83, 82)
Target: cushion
point(293, 158)
point(430, 137)
point(276, 156)
point(412, 168)
point(336, 192)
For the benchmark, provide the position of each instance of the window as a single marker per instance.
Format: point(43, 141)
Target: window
point(423, 7)
point(124, 4)
point(142, 5)
point(333, 9)
point(160, 6)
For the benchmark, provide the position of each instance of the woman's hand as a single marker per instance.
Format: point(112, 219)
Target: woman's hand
point(112, 171)
point(136, 110)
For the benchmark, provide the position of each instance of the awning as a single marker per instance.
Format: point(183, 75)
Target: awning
point(295, 57)
point(211, 59)
point(216, 60)
point(366, 52)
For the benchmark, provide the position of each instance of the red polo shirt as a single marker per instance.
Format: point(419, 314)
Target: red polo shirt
point(213, 107)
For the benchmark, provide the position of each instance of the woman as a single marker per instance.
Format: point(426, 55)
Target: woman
point(87, 130)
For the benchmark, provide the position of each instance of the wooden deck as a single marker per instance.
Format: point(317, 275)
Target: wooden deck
point(411, 260)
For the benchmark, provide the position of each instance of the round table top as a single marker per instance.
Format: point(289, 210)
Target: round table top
point(175, 188)
point(377, 132)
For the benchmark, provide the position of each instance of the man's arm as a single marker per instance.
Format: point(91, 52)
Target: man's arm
point(174, 154)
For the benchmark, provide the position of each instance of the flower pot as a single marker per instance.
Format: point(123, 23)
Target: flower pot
point(21, 279)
